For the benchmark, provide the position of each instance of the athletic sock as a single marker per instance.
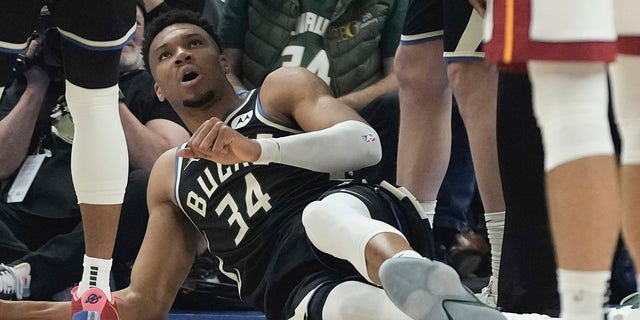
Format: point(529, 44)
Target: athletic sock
point(96, 274)
point(429, 208)
point(583, 294)
point(407, 254)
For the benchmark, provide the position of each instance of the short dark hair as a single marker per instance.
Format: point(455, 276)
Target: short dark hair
point(171, 17)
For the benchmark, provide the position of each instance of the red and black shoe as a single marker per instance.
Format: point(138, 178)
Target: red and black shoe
point(93, 305)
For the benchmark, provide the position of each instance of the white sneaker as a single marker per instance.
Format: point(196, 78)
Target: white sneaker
point(628, 309)
point(15, 281)
point(527, 316)
point(489, 294)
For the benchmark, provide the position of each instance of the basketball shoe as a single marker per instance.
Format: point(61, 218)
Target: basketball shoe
point(93, 305)
point(429, 290)
point(629, 308)
point(15, 281)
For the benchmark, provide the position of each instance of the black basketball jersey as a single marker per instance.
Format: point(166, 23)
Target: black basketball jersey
point(246, 211)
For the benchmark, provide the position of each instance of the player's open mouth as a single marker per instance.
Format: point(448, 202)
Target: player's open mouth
point(189, 78)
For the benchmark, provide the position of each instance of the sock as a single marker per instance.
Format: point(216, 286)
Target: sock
point(429, 208)
point(1, 90)
point(583, 294)
point(407, 254)
point(96, 274)
point(495, 231)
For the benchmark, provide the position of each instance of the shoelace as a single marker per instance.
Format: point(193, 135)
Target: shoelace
point(9, 281)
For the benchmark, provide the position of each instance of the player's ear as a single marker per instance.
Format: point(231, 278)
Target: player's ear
point(224, 63)
point(158, 91)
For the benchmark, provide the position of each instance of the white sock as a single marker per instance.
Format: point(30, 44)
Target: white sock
point(96, 274)
point(1, 90)
point(407, 254)
point(495, 231)
point(429, 208)
point(583, 294)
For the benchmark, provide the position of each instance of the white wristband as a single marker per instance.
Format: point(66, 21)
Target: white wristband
point(270, 151)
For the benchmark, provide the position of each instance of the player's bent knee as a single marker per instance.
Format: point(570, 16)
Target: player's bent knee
point(570, 104)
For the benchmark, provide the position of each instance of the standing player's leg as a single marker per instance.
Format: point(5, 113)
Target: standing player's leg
point(570, 101)
point(570, 95)
point(91, 51)
point(624, 74)
point(475, 86)
point(424, 143)
point(624, 77)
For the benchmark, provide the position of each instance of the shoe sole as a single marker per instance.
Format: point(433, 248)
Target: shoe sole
point(429, 290)
point(86, 315)
point(623, 313)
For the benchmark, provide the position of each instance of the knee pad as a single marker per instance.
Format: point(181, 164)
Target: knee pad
point(571, 106)
point(359, 301)
point(340, 225)
point(625, 76)
point(99, 158)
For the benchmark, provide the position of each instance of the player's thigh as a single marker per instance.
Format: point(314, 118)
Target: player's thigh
point(18, 19)
point(102, 24)
point(627, 14)
point(573, 30)
point(462, 32)
point(423, 21)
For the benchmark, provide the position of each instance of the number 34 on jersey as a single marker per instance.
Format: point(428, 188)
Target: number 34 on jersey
point(253, 201)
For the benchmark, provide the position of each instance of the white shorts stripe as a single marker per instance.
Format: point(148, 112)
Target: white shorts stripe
point(9, 46)
point(108, 44)
point(421, 36)
point(300, 313)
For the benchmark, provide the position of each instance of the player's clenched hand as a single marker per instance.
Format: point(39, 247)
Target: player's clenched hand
point(216, 141)
point(480, 5)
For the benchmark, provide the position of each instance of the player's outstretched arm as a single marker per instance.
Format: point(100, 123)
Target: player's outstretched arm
point(167, 252)
point(164, 260)
point(41, 310)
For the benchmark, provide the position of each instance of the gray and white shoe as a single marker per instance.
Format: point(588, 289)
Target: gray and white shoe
point(629, 308)
point(15, 281)
point(429, 290)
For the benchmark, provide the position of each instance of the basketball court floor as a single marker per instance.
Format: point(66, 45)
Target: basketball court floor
point(218, 315)
point(474, 284)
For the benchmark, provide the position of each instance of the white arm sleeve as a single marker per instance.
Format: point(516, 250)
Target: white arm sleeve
point(343, 147)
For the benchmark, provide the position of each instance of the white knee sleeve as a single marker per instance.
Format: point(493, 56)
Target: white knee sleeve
point(570, 102)
point(359, 301)
point(341, 225)
point(625, 77)
point(99, 159)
